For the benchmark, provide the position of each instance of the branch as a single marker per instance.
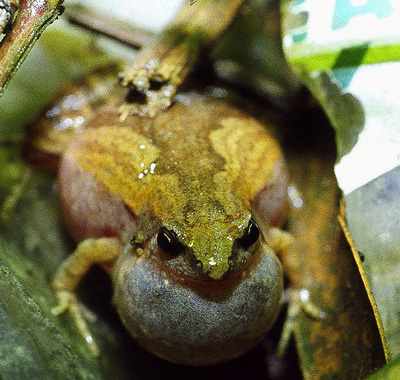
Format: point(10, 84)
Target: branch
point(159, 69)
point(33, 17)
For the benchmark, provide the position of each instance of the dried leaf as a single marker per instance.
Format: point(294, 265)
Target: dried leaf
point(346, 342)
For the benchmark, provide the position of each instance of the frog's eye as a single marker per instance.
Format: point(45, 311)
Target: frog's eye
point(168, 242)
point(250, 235)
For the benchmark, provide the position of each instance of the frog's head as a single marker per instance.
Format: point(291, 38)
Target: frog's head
point(211, 248)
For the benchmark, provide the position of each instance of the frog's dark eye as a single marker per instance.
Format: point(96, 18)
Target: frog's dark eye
point(250, 235)
point(168, 242)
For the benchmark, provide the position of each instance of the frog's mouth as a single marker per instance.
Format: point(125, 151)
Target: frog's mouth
point(216, 269)
point(220, 288)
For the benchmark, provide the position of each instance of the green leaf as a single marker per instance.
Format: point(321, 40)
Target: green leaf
point(32, 344)
point(30, 341)
point(391, 371)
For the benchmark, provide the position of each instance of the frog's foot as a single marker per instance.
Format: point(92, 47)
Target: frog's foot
point(67, 301)
point(298, 301)
point(91, 251)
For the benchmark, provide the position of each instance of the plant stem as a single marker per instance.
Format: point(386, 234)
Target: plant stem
point(159, 68)
point(33, 17)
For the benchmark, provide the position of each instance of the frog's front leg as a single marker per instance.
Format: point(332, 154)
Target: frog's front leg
point(102, 251)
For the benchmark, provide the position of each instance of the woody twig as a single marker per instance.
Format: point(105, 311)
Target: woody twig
point(32, 18)
point(159, 68)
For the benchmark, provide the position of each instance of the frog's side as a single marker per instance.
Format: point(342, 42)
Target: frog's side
point(167, 206)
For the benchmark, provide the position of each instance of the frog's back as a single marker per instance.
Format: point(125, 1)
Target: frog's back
point(200, 146)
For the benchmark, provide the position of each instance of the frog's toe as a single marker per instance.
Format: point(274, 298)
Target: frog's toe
point(298, 301)
point(67, 301)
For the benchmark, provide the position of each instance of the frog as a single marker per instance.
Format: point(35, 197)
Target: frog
point(182, 210)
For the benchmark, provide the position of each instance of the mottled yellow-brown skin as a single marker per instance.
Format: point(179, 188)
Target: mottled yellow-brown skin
point(196, 174)
point(202, 169)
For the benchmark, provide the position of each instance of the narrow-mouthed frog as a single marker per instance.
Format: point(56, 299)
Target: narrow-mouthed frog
point(178, 209)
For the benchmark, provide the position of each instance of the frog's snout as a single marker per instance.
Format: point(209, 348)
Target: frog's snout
point(214, 267)
point(234, 253)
